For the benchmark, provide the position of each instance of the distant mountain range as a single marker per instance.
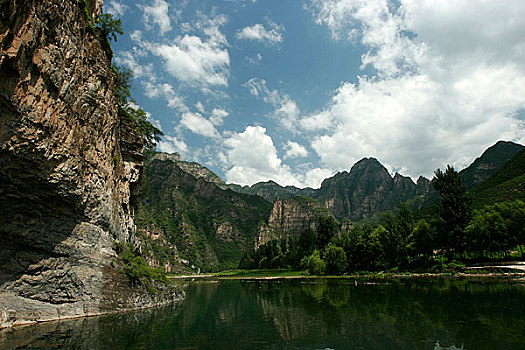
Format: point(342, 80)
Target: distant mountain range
point(368, 189)
point(190, 220)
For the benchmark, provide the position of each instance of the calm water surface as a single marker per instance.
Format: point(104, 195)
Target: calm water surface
point(305, 314)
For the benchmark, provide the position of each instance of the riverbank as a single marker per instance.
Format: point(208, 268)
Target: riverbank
point(503, 271)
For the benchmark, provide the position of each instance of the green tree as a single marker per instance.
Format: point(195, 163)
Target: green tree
point(313, 264)
point(108, 26)
point(421, 240)
point(335, 258)
point(326, 230)
point(487, 231)
point(455, 209)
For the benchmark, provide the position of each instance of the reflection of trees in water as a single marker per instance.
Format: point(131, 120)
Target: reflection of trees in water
point(375, 315)
point(305, 314)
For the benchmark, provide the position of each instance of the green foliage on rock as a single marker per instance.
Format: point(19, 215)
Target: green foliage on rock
point(136, 268)
point(108, 26)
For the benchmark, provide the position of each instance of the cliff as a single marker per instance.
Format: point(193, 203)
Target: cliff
point(292, 217)
point(69, 168)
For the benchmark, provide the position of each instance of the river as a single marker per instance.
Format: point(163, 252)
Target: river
point(305, 314)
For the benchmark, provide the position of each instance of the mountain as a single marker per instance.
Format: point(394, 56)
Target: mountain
point(271, 190)
point(489, 162)
point(366, 190)
point(196, 225)
point(505, 184)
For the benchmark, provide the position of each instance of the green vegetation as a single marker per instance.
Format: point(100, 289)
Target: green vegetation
point(136, 268)
point(399, 242)
point(209, 227)
point(108, 26)
point(454, 211)
point(129, 111)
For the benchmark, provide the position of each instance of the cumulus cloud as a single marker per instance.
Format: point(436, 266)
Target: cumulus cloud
point(199, 125)
point(286, 109)
point(194, 61)
point(157, 14)
point(448, 82)
point(252, 157)
point(258, 32)
point(295, 150)
point(171, 144)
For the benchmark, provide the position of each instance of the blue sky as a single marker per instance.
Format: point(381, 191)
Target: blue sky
point(295, 91)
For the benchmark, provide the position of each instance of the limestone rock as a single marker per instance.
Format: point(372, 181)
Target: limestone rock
point(69, 168)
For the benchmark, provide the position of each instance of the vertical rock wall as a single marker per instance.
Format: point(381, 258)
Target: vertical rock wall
point(69, 169)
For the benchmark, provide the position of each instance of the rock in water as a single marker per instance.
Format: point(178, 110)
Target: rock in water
point(69, 168)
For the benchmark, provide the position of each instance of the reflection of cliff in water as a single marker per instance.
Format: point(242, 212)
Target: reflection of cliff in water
point(128, 330)
point(303, 314)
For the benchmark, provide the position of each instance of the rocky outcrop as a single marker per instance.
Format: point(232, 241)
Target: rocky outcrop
point(290, 218)
point(366, 190)
point(69, 169)
point(195, 169)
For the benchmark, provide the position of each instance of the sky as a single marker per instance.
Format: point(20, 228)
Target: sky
point(296, 90)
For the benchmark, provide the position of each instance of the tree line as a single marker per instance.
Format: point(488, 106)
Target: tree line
point(399, 241)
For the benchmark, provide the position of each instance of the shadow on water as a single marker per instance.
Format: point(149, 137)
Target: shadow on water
point(305, 314)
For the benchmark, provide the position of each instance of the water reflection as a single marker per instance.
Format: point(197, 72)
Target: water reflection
point(304, 314)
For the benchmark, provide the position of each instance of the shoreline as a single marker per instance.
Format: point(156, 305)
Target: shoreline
point(414, 275)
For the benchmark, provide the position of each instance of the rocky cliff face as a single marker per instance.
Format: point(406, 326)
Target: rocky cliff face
point(366, 190)
point(195, 169)
point(291, 217)
point(69, 170)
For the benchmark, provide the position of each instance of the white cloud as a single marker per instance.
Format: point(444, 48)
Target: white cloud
point(450, 77)
point(116, 8)
point(314, 177)
point(218, 115)
point(166, 91)
point(196, 62)
point(198, 125)
point(258, 32)
point(128, 59)
point(295, 150)
point(171, 144)
point(157, 14)
point(200, 107)
point(286, 110)
point(252, 157)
